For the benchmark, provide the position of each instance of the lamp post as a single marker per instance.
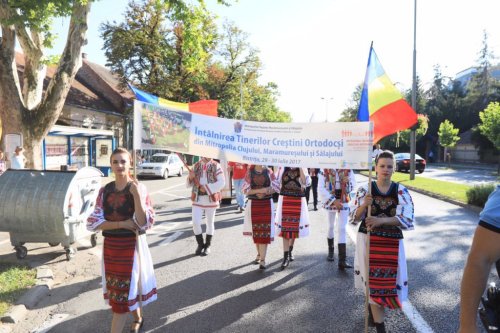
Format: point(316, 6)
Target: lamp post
point(413, 141)
point(326, 106)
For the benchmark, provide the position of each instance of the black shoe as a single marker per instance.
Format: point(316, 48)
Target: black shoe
point(290, 254)
point(331, 250)
point(262, 265)
point(201, 245)
point(343, 264)
point(206, 248)
point(286, 260)
point(315, 208)
point(380, 327)
point(138, 328)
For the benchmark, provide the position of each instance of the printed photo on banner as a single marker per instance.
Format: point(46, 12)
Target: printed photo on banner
point(164, 128)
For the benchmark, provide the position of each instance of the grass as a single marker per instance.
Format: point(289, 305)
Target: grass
point(14, 281)
point(447, 189)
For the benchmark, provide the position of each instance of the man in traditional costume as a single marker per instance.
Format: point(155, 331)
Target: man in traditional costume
point(335, 189)
point(206, 180)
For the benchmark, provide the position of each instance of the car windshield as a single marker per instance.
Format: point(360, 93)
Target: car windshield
point(159, 159)
point(403, 156)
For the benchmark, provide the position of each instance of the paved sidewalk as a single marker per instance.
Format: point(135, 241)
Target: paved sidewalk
point(479, 166)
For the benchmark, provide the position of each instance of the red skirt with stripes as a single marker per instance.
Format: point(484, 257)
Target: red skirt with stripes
point(118, 265)
point(383, 271)
point(290, 217)
point(261, 213)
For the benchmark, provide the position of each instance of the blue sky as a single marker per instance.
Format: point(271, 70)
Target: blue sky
point(319, 48)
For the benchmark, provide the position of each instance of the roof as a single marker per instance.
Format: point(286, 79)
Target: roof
point(94, 87)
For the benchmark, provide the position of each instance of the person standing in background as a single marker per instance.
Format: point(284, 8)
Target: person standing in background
point(3, 165)
point(376, 151)
point(239, 172)
point(313, 173)
point(18, 160)
point(336, 187)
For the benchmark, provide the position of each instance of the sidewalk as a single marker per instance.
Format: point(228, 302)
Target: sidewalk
point(478, 166)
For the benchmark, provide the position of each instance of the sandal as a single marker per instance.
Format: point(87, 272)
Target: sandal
point(137, 329)
point(262, 264)
point(257, 260)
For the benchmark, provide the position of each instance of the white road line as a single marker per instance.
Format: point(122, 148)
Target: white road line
point(409, 310)
point(171, 238)
point(5, 241)
point(53, 321)
point(168, 188)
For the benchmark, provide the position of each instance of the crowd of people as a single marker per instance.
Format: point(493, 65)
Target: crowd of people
point(383, 209)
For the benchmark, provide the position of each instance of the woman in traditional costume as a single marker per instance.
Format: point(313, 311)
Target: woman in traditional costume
point(391, 212)
point(292, 215)
point(123, 212)
point(259, 186)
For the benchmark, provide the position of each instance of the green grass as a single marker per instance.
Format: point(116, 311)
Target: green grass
point(447, 189)
point(14, 281)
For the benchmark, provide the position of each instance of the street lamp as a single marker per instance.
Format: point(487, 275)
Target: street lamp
point(326, 106)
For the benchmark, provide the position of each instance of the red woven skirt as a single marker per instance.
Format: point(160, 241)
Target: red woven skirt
point(261, 214)
point(290, 217)
point(384, 254)
point(118, 265)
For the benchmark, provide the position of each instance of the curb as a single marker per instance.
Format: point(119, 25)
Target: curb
point(442, 198)
point(43, 284)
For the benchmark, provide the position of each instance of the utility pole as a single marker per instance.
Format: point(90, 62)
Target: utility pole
point(326, 107)
point(413, 140)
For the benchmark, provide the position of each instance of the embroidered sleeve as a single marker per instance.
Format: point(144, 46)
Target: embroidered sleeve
point(97, 217)
point(405, 209)
point(247, 183)
point(323, 192)
point(352, 184)
point(148, 205)
point(360, 197)
point(308, 177)
point(219, 183)
point(275, 183)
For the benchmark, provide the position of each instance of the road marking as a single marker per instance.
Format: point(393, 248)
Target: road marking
point(53, 321)
point(409, 310)
point(4, 241)
point(171, 238)
point(168, 188)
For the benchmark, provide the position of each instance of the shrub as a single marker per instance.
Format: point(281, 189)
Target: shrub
point(478, 194)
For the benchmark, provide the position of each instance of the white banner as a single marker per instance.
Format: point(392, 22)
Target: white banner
point(321, 145)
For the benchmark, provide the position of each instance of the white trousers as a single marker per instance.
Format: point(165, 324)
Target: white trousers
point(343, 217)
point(198, 217)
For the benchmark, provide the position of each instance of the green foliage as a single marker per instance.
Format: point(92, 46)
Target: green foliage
point(478, 195)
point(490, 123)
point(38, 15)
point(351, 112)
point(14, 280)
point(173, 50)
point(422, 126)
point(448, 134)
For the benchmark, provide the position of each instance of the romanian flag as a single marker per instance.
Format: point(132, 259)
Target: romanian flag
point(207, 107)
point(382, 103)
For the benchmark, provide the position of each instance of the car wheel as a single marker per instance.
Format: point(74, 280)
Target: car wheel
point(420, 170)
point(397, 168)
point(181, 171)
point(165, 174)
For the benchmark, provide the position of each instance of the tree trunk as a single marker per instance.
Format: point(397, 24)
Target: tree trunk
point(34, 118)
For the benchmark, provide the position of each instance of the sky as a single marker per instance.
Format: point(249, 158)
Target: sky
point(316, 51)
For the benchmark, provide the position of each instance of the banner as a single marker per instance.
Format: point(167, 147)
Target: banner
point(320, 145)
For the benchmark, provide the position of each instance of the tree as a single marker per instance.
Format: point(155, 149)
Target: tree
point(351, 112)
point(490, 125)
point(163, 47)
point(27, 108)
point(447, 136)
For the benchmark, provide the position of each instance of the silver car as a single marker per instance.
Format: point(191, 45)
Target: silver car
point(161, 165)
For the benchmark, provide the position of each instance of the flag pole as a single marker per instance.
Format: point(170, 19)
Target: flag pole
point(367, 251)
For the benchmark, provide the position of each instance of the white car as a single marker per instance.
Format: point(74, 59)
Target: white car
point(161, 165)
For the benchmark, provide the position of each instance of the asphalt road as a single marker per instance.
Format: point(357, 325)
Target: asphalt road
point(224, 292)
point(462, 175)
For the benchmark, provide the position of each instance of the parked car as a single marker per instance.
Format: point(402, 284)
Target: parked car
point(161, 165)
point(403, 162)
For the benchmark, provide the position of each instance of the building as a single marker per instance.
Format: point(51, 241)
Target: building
point(93, 121)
